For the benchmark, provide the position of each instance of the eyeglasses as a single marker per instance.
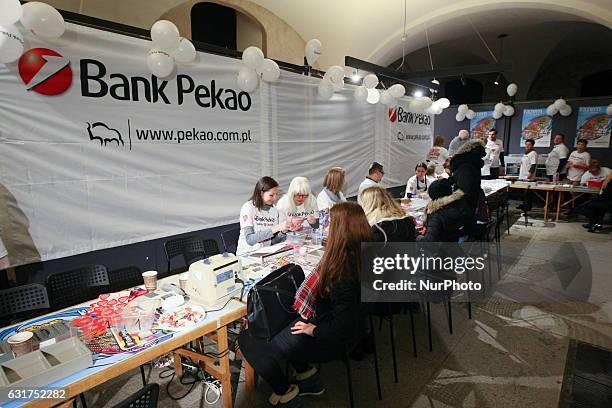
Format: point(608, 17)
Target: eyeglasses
point(302, 195)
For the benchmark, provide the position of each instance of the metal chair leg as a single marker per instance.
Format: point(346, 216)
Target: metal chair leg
point(347, 364)
point(429, 326)
point(378, 387)
point(392, 334)
point(83, 402)
point(414, 345)
point(450, 318)
point(143, 376)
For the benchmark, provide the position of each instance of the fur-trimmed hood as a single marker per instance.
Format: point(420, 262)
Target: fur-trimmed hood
point(469, 146)
point(440, 203)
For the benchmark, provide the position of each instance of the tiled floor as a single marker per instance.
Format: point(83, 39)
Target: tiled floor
point(510, 354)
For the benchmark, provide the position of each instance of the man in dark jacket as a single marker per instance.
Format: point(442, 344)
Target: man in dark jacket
point(465, 171)
point(448, 214)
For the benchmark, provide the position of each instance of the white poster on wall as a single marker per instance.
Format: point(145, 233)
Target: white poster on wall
point(95, 152)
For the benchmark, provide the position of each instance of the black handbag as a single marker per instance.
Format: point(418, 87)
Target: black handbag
point(270, 302)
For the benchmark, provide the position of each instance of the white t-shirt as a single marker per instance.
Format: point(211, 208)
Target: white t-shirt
point(3, 251)
point(588, 179)
point(368, 182)
point(251, 216)
point(493, 150)
point(527, 161)
point(437, 155)
point(558, 152)
point(413, 186)
point(285, 212)
point(582, 159)
point(324, 202)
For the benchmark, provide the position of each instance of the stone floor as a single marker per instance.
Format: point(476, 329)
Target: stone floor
point(511, 353)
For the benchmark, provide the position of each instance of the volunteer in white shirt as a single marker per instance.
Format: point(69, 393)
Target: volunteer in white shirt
point(333, 184)
point(260, 224)
point(375, 175)
point(529, 163)
point(299, 206)
point(557, 159)
point(578, 162)
point(420, 182)
point(437, 155)
point(495, 155)
point(595, 176)
point(4, 261)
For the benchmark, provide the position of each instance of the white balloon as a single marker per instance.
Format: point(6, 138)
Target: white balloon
point(361, 93)
point(10, 12)
point(459, 117)
point(160, 63)
point(397, 90)
point(269, 70)
point(373, 96)
point(185, 52)
point(512, 89)
point(165, 35)
point(248, 79)
point(509, 110)
point(370, 81)
point(609, 110)
point(438, 109)
point(42, 20)
point(551, 110)
point(470, 114)
point(443, 103)
point(253, 57)
point(559, 103)
point(325, 90)
point(313, 51)
point(499, 107)
point(497, 114)
point(566, 110)
point(425, 101)
point(11, 44)
point(463, 108)
point(386, 98)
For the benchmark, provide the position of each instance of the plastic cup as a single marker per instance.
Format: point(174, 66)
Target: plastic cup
point(21, 343)
point(183, 279)
point(150, 280)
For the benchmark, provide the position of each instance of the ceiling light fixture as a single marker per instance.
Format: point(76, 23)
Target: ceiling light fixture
point(496, 82)
point(355, 77)
point(418, 93)
point(435, 81)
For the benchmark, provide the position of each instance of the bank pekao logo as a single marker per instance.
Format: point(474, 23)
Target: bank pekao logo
point(392, 114)
point(45, 71)
point(100, 132)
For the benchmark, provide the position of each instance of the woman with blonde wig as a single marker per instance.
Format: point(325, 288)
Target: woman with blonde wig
point(388, 220)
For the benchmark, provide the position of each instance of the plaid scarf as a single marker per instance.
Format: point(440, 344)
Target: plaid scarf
point(306, 295)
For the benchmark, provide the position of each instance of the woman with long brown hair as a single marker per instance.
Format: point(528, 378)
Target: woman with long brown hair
point(330, 313)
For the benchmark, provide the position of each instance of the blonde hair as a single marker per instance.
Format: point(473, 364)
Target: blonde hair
point(334, 179)
point(301, 185)
point(378, 205)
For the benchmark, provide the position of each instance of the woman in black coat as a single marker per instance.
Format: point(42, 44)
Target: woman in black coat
point(448, 215)
point(465, 171)
point(388, 220)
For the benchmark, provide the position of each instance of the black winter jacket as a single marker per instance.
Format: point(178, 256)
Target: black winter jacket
point(448, 218)
point(465, 170)
point(395, 230)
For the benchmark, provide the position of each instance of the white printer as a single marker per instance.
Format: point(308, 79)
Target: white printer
point(213, 280)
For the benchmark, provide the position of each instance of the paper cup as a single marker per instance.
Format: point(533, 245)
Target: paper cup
point(183, 279)
point(150, 280)
point(21, 343)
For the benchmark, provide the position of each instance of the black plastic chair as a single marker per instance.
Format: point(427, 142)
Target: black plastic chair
point(230, 239)
point(19, 302)
point(191, 248)
point(124, 278)
point(77, 285)
point(144, 398)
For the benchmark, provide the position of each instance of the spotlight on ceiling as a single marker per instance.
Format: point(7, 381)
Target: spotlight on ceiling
point(496, 82)
point(463, 81)
point(435, 81)
point(418, 93)
point(355, 77)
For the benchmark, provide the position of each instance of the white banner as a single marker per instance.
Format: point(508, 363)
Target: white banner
point(95, 152)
